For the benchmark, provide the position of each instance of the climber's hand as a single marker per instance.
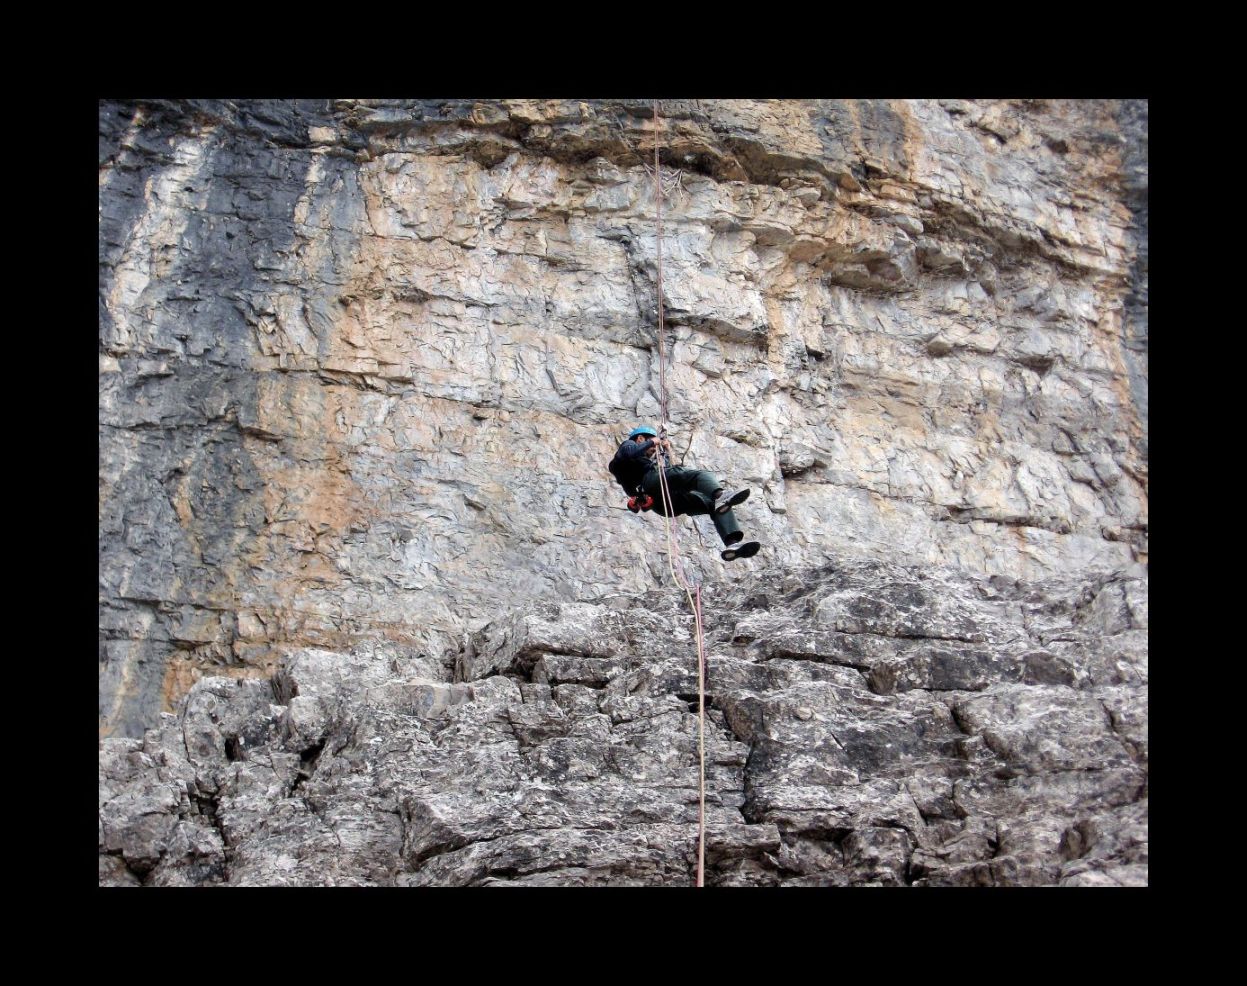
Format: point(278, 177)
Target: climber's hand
point(642, 501)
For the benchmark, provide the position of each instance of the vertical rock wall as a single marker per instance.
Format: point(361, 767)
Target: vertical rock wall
point(362, 362)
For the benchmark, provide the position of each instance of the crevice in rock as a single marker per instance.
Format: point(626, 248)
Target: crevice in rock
point(691, 700)
point(1077, 840)
point(207, 802)
point(140, 873)
point(782, 654)
point(959, 721)
point(949, 219)
point(1131, 748)
point(748, 812)
point(995, 843)
point(454, 845)
point(901, 635)
point(831, 836)
point(308, 760)
point(913, 871)
point(966, 515)
point(234, 749)
point(926, 819)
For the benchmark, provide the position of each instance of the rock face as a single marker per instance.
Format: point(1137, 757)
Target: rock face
point(362, 365)
point(867, 724)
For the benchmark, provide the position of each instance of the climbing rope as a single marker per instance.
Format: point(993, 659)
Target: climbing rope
point(692, 591)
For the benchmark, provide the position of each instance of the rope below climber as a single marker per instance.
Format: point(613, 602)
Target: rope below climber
point(635, 467)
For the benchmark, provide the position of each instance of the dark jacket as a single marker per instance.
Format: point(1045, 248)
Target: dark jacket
point(631, 464)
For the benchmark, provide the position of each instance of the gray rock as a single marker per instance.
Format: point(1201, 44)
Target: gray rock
point(815, 775)
point(339, 338)
point(362, 364)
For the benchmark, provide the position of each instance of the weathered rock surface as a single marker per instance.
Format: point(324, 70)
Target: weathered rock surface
point(362, 363)
point(868, 724)
point(371, 611)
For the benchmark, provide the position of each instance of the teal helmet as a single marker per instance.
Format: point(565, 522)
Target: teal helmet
point(642, 430)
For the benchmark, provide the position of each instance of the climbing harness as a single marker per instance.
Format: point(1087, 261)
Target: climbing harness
point(692, 591)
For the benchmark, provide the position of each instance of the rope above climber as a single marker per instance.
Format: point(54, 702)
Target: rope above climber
point(694, 492)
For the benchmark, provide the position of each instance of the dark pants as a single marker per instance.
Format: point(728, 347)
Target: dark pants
point(692, 493)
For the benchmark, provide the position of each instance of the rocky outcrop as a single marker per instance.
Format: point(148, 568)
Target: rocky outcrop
point(867, 724)
point(362, 362)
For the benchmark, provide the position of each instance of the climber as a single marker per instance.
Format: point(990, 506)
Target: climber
point(693, 491)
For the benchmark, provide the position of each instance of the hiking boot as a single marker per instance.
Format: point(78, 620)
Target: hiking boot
point(746, 550)
point(725, 503)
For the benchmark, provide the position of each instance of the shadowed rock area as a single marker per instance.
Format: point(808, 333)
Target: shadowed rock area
point(867, 724)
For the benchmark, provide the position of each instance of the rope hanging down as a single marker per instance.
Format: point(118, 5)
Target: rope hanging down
point(693, 592)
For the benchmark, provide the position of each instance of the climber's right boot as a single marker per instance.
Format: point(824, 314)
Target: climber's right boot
point(746, 550)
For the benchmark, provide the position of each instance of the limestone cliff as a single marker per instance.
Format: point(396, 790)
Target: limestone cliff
point(362, 364)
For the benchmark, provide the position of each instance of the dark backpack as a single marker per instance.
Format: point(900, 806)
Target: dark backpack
point(625, 473)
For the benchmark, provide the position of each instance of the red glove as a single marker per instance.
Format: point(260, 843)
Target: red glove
point(642, 501)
